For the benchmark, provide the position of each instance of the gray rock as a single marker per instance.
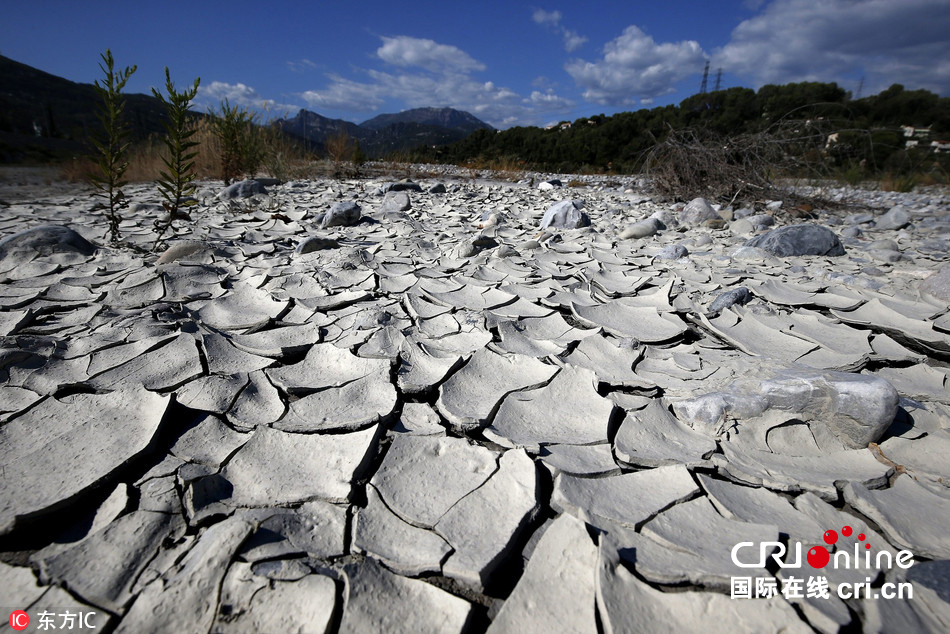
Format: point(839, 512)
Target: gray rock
point(803, 239)
point(61, 448)
point(938, 283)
point(438, 188)
point(42, 241)
point(696, 212)
point(896, 218)
point(402, 186)
point(316, 243)
point(342, 214)
point(556, 592)
point(565, 214)
point(184, 250)
point(842, 410)
point(643, 229)
point(377, 600)
point(549, 184)
point(732, 297)
point(672, 252)
point(242, 189)
point(395, 201)
point(851, 232)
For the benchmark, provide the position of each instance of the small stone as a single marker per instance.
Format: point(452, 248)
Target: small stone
point(643, 229)
point(732, 297)
point(565, 214)
point(342, 214)
point(315, 243)
point(396, 201)
point(242, 189)
point(673, 252)
point(698, 211)
point(896, 218)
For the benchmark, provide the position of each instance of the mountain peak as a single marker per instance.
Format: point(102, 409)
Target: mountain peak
point(442, 117)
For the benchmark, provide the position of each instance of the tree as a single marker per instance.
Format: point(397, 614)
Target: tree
point(177, 179)
point(114, 141)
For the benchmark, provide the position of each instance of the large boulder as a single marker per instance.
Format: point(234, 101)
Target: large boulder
point(565, 214)
point(805, 239)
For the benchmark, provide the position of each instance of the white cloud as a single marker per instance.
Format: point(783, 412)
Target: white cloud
point(301, 65)
point(210, 96)
point(887, 41)
point(421, 81)
point(572, 41)
point(552, 20)
point(344, 94)
point(412, 51)
point(635, 67)
point(546, 18)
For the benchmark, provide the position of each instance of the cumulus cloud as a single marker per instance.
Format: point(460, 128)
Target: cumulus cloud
point(420, 80)
point(635, 67)
point(828, 40)
point(211, 95)
point(552, 20)
point(412, 51)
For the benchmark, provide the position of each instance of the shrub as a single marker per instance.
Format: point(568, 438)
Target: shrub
point(240, 143)
point(114, 141)
point(176, 182)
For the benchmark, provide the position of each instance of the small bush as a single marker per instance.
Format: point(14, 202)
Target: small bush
point(113, 145)
point(241, 149)
point(176, 182)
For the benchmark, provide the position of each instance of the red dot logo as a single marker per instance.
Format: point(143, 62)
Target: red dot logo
point(846, 531)
point(818, 557)
point(19, 620)
point(830, 537)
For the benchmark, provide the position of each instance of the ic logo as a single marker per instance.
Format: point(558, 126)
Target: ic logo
point(19, 620)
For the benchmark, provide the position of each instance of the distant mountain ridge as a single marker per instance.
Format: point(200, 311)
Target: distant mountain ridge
point(387, 133)
point(44, 117)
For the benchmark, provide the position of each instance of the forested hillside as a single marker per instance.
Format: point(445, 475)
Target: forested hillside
point(804, 115)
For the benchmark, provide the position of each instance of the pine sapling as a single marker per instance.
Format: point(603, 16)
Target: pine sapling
point(114, 142)
point(176, 182)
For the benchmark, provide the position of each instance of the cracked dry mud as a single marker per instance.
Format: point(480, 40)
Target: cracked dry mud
point(360, 406)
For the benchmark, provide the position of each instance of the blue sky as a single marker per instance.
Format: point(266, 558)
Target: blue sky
point(508, 63)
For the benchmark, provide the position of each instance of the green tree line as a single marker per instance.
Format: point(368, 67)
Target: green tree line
point(869, 129)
